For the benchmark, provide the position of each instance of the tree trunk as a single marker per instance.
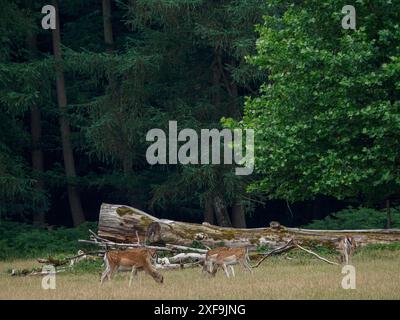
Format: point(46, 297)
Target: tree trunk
point(221, 213)
point(108, 33)
point(388, 215)
point(127, 164)
point(208, 211)
point(126, 158)
point(37, 160)
point(36, 137)
point(238, 217)
point(69, 162)
point(122, 224)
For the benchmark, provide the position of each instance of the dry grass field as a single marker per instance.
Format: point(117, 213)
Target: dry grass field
point(378, 277)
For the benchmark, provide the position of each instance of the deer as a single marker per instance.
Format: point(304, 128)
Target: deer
point(223, 257)
point(138, 259)
point(347, 247)
point(211, 257)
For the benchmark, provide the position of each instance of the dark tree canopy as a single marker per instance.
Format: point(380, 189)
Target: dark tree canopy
point(324, 103)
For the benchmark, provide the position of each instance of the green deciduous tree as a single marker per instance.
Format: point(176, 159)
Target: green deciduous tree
point(327, 121)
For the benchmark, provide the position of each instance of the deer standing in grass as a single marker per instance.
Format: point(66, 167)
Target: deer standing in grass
point(135, 260)
point(211, 257)
point(347, 247)
point(223, 257)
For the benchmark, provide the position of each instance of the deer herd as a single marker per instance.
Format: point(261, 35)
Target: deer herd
point(143, 259)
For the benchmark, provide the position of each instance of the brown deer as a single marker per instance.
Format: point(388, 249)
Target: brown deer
point(211, 257)
point(347, 247)
point(138, 259)
point(223, 257)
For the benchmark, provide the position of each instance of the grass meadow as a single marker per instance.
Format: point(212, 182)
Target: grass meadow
point(297, 277)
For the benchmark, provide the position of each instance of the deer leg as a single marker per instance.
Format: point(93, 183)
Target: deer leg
point(225, 269)
point(112, 272)
point(210, 266)
point(232, 271)
point(214, 270)
point(133, 274)
point(154, 274)
point(104, 276)
point(247, 266)
point(346, 256)
point(205, 268)
point(106, 272)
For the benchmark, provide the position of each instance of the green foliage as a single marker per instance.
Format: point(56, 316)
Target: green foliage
point(327, 121)
point(87, 266)
point(378, 251)
point(394, 246)
point(263, 248)
point(19, 90)
point(198, 245)
point(26, 241)
point(360, 218)
point(15, 24)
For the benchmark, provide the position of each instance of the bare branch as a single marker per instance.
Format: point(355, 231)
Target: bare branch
point(288, 246)
point(184, 256)
point(123, 245)
point(177, 247)
point(318, 256)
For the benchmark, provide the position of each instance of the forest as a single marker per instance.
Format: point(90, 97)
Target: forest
point(77, 101)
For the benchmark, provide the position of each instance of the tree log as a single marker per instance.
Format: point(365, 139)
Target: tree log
point(124, 224)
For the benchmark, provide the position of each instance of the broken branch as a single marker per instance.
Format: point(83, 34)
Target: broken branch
point(318, 256)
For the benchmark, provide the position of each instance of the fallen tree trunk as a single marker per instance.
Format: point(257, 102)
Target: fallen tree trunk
point(126, 224)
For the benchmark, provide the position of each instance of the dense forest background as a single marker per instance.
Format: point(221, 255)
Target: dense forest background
point(76, 103)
